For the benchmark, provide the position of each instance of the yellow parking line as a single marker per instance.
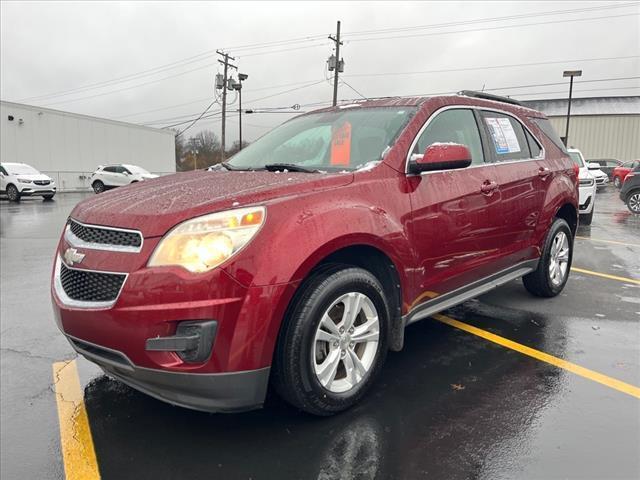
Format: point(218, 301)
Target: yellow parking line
point(543, 357)
point(607, 241)
point(605, 275)
point(75, 434)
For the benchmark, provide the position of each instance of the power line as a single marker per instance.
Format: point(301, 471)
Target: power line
point(494, 19)
point(315, 38)
point(501, 27)
point(490, 67)
point(194, 122)
point(357, 92)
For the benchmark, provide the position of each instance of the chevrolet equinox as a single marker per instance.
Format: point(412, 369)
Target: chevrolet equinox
point(299, 262)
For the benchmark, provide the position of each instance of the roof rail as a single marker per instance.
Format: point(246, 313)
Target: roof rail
point(489, 96)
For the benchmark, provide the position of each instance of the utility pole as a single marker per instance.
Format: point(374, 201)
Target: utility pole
point(569, 73)
point(224, 86)
point(336, 64)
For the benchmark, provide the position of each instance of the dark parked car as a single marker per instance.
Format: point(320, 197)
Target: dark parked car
point(630, 192)
point(300, 261)
point(606, 165)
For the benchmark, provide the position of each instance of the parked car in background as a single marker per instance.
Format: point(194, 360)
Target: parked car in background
point(112, 176)
point(587, 187)
point(630, 191)
point(598, 175)
point(607, 165)
point(300, 261)
point(620, 172)
point(19, 180)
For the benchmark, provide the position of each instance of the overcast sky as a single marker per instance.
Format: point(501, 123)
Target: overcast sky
point(166, 51)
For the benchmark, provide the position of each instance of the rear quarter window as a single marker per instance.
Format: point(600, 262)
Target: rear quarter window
point(545, 125)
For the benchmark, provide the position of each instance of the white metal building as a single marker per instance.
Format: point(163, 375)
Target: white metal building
point(69, 147)
point(601, 127)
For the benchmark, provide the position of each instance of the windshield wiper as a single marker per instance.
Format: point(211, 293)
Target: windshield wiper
point(291, 167)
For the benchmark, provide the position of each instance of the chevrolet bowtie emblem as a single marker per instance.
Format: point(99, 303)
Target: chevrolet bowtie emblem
point(71, 256)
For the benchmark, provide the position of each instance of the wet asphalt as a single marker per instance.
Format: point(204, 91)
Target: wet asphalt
point(451, 405)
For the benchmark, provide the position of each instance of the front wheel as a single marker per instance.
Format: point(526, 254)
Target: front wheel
point(633, 202)
point(552, 273)
point(333, 342)
point(13, 194)
point(47, 197)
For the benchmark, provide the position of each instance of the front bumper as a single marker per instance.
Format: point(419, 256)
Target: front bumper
point(213, 392)
point(35, 190)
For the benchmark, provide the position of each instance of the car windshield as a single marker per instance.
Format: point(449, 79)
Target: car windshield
point(136, 169)
point(577, 159)
point(338, 140)
point(20, 169)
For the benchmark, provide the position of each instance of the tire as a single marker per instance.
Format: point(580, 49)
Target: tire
point(617, 182)
point(633, 201)
point(47, 198)
point(12, 193)
point(98, 187)
point(540, 282)
point(298, 373)
point(587, 218)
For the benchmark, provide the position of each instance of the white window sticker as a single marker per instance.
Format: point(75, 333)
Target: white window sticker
point(504, 137)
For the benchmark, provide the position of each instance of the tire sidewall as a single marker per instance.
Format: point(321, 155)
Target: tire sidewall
point(558, 225)
point(351, 280)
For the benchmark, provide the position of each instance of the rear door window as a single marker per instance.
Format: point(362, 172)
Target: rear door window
point(506, 137)
point(453, 126)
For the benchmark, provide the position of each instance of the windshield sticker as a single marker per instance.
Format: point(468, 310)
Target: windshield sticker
point(503, 134)
point(341, 144)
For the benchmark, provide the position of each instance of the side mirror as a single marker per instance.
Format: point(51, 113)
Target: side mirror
point(594, 166)
point(441, 156)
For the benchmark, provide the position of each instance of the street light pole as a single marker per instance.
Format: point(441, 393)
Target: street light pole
point(569, 73)
point(238, 86)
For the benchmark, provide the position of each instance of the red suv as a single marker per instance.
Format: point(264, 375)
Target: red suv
point(300, 262)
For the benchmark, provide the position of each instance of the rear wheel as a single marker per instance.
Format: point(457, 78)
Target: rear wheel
point(98, 186)
point(617, 182)
point(633, 201)
point(552, 273)
point(334, 341)
point(12, 193)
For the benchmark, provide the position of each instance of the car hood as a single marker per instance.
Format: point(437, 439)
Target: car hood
point(33, 176)
point(598, 173)
point(155, 207)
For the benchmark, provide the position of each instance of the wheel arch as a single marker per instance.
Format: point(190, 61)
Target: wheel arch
point(569, 214)
point(366, 255)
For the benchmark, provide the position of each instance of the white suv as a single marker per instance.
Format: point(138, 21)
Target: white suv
point(21, 180)
point(587, 187)
point(112, 176)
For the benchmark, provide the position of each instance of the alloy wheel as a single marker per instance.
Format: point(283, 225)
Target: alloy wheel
point(346, 342)
point(559, 258)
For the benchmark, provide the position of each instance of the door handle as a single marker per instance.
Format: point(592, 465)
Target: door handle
point(544, 172)
point(488, 187)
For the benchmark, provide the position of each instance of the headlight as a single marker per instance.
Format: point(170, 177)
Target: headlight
point(203, 243)
point(585, 182)
point(24, 180)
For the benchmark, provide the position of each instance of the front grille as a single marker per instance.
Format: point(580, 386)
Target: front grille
point(105, 236)
point(41, 182)
point(88, 286)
